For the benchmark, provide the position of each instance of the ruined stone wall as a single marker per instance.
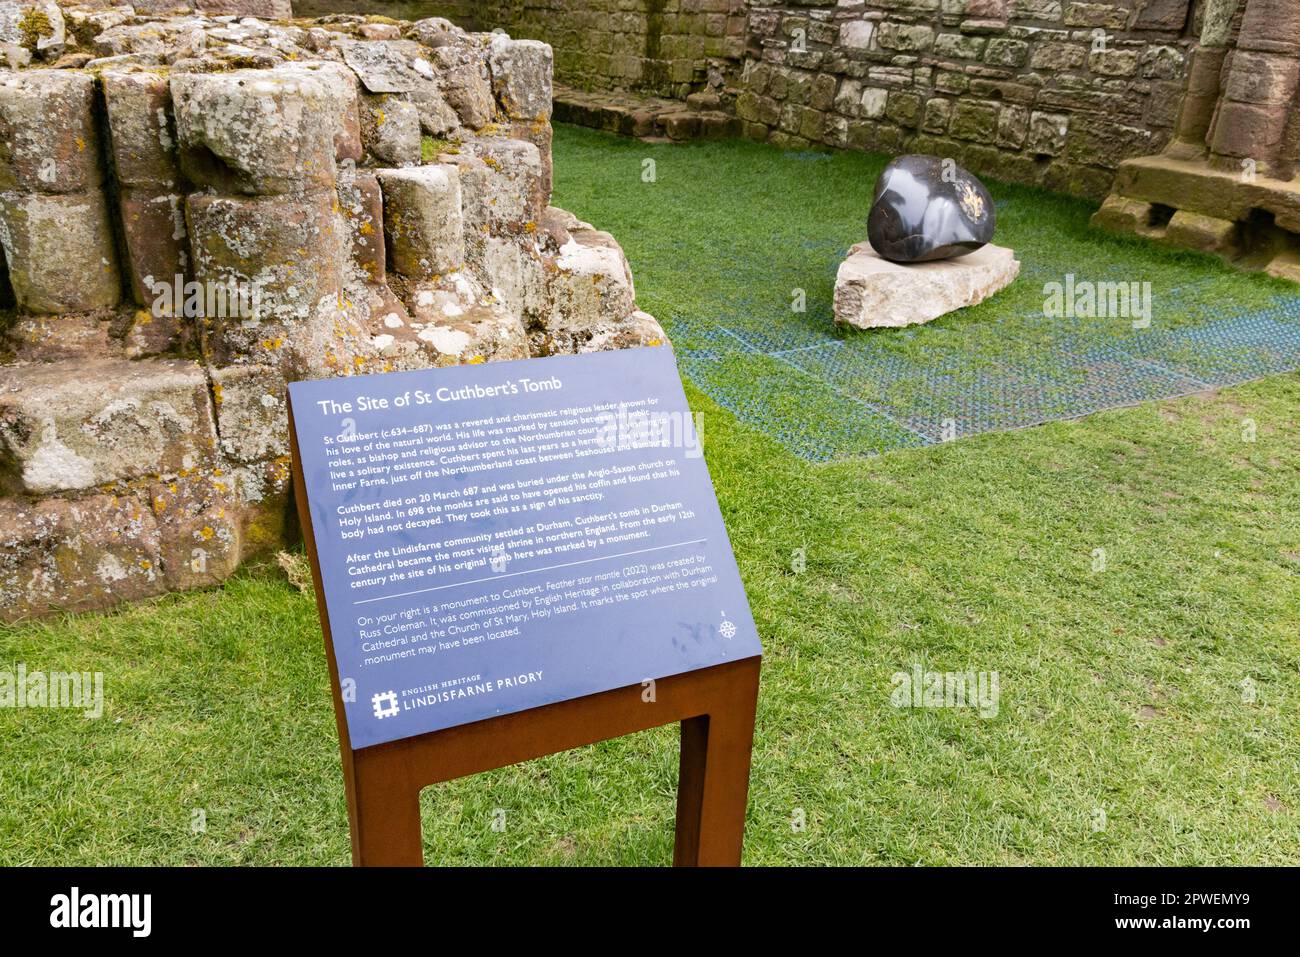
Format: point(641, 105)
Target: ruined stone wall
point(657, 47)
point(1226, 183)
point(1050, 92)
point(195, 210)
point(1053, 92)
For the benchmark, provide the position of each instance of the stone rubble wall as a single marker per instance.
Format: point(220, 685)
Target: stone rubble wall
point(1050, 92)
point(669, 48)
point(384, 188)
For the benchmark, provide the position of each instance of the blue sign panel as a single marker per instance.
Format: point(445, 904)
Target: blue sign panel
point(501, 536)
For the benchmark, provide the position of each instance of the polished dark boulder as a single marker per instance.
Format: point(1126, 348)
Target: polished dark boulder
point(926, 208)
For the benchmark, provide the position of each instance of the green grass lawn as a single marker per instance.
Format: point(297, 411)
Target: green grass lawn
point(1121, 689)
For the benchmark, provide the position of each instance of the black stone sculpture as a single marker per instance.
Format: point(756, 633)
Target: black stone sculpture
point(926, 208)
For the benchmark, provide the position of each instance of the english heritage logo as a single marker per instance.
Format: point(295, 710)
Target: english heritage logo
point(384, 704)
point(72, 910)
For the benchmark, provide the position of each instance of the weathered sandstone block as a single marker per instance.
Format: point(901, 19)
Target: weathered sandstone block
point(68, 427)
point(157, 251)
point(267, 9)
point(346, 98)
point(1120, 214)
point(390, 130)
point(198, 528)
point(143, 132)
point(516, 274)
point(151, 335)
point(466, 85)
point(452, 326)
point(48, 139)
point(252, 416)
point(257, 131)
point(289, 248)
point(382, 67)
point(362, 202)
point(60, 555)
point(521, 77)
point(266, 518)
point(504, 190)
point(435, 32)
point(437, 118)
point(486, 332)
point(591, 289)
point(638, 329)
point(61, 252)
point(540, 135)
point(54, 338)
point(1203, 233)
point(422, 220)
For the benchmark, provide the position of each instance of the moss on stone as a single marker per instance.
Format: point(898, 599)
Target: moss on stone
point(431, 146)
point(33, 27)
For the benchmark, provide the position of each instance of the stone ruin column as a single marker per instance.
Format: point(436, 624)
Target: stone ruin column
point(1204, 72)
point(1226, 183)
point(1259, 89)
point(151, 203)
point(54, 219)
point(264, 221)
point(290, 200)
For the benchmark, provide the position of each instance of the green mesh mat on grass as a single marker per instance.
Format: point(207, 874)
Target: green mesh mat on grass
point(727, 240)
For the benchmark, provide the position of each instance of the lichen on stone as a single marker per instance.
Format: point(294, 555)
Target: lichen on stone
point(403, 229)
